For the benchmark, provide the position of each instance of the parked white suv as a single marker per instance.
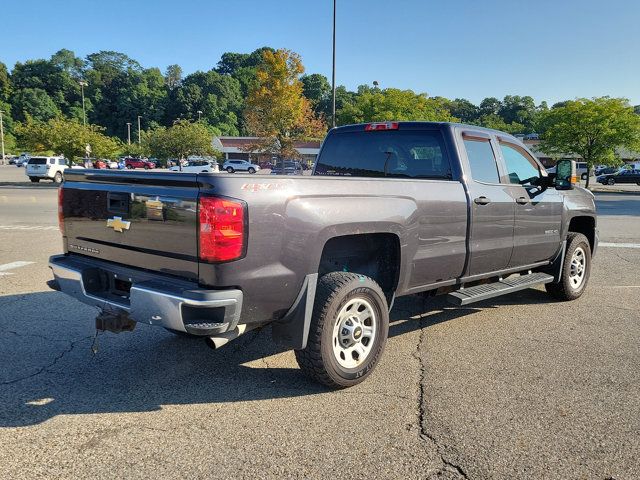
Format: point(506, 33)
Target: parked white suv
point(232, 166)
point(581, 170)
point(198, 166)
point(50, 168)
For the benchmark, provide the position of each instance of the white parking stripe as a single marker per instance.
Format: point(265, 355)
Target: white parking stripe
point(11, 266)
point(28, 227)
point(619, 245)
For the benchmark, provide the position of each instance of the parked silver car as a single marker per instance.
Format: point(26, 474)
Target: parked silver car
point(232, 166)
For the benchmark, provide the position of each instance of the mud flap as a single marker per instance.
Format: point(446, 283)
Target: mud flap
point(292, 330)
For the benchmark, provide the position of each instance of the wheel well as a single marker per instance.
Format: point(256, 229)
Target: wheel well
point(585, 226)
point(376, 255)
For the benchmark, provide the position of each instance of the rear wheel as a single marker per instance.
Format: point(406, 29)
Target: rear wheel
point(146, 167)
point(584, 176)
point(348, 330)
point(34, 179)
point(58, 177)
point(129, 167)
point(230, 170)
point(611, 181)
point(575, 270)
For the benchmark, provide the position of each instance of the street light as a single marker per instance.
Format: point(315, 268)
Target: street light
point(83, 84)
point(199, 114)
point(333, 70)
point(2, 136)
point(139, 142)
point(128, 133)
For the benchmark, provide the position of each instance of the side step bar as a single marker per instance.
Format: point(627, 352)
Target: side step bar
point(478, 293)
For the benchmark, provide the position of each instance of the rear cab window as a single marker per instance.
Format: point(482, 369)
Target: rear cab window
point(482, 158)
point(411, 153)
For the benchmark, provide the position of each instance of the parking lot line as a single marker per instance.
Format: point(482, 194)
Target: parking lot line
point(619, 245)
point(28, 227)
point(11, 266)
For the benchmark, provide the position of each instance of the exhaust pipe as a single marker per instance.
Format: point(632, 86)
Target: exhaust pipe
point(223, 338)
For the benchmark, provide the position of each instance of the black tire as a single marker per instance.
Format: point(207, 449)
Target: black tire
point(252, 170)
point(611, 181)
point(565, 289)
point(230, 170)
point(129, 167)
point(34, 179)
point(58, 177)
point(584, 176)
point(334, 291)
point(146, 167)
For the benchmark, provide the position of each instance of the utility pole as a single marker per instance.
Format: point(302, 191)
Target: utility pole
point(333, 70)
point(2, 136)
point(84, 113)
point(199, 114)
point(128, 133)
point(139, 141)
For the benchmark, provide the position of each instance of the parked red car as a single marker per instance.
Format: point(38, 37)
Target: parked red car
point(132, 163)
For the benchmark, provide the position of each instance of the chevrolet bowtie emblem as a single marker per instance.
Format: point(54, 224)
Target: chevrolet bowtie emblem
point(118, 224)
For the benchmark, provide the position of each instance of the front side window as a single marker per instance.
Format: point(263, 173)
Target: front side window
point(520, 169)
point(482, 161)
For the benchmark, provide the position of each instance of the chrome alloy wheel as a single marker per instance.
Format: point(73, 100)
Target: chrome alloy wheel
point(354, 333)
point(577, 268)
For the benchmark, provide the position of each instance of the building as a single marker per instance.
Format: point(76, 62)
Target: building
point(627, 156)
point(235, 148)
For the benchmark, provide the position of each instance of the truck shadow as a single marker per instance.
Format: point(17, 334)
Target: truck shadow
point(50, 370)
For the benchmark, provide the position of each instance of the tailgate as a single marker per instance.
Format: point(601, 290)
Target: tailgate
point(140, 219)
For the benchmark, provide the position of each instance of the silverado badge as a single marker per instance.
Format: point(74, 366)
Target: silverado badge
point(118, 224)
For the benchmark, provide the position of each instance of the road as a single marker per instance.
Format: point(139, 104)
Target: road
point(518, 387)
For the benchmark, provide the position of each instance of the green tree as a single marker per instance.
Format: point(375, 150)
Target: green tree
point(489, 106)
point(35, 103)
point(182, 139)
point(393, 104)
point(173, 76)
point(276, 110)
point(497, 122)
point(317, 89)
point(464, 110)
point(515, 109)
point(68, 137)
point(5, 83)
point(591, 129)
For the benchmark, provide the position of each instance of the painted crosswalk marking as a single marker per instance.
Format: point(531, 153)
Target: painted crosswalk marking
point(619, 245)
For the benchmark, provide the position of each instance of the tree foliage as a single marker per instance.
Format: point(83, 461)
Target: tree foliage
point(182, 139)
point(591, 128)
point(66, 137)
point(276, 109)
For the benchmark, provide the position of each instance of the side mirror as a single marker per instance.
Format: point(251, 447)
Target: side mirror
point(566, 176)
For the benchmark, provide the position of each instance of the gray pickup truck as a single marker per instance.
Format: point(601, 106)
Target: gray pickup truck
point(391, 209)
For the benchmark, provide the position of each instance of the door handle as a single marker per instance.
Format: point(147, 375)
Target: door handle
point(482, 200)
point(522, 200)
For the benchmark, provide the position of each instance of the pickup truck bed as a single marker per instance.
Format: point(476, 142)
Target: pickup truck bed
point(408, 205)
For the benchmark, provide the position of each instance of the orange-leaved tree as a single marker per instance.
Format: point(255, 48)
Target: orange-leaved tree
point(276, 110)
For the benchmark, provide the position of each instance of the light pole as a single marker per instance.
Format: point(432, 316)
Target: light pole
point(2, 136)
point(139, 141)
point(84, 113)
point(128, 133)
point(199, 114)
point(333, 70)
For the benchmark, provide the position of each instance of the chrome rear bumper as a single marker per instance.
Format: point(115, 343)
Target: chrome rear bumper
point(152, 299)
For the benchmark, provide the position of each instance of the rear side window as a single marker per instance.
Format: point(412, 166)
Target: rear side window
point(397, 153)
point(62, 161)
point(482, 161)
point(520, 169)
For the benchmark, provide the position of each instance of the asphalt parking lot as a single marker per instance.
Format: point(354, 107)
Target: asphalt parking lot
point(516, 387)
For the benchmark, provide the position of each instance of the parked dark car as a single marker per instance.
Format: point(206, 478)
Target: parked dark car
point(391, 209)
point(623, 176)
point(132, 163)
point(606, 170)
point(287, 167)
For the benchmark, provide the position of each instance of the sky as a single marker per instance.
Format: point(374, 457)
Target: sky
point(549, 49)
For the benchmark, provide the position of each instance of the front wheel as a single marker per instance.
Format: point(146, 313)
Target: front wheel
point(611, 181)
point(575, 269)
point(348, 330)
point(252, 170)
point(584, 176)
point(58, 177)
point(129, 167)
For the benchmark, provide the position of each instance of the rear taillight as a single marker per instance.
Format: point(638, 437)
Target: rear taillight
point(374, 127)
point(60, 209)
point(222, 230)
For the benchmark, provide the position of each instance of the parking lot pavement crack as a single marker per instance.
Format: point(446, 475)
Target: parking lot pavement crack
point(448, 468)
point(45, 368)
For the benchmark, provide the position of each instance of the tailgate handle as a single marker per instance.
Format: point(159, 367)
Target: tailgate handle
point(118, 202)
